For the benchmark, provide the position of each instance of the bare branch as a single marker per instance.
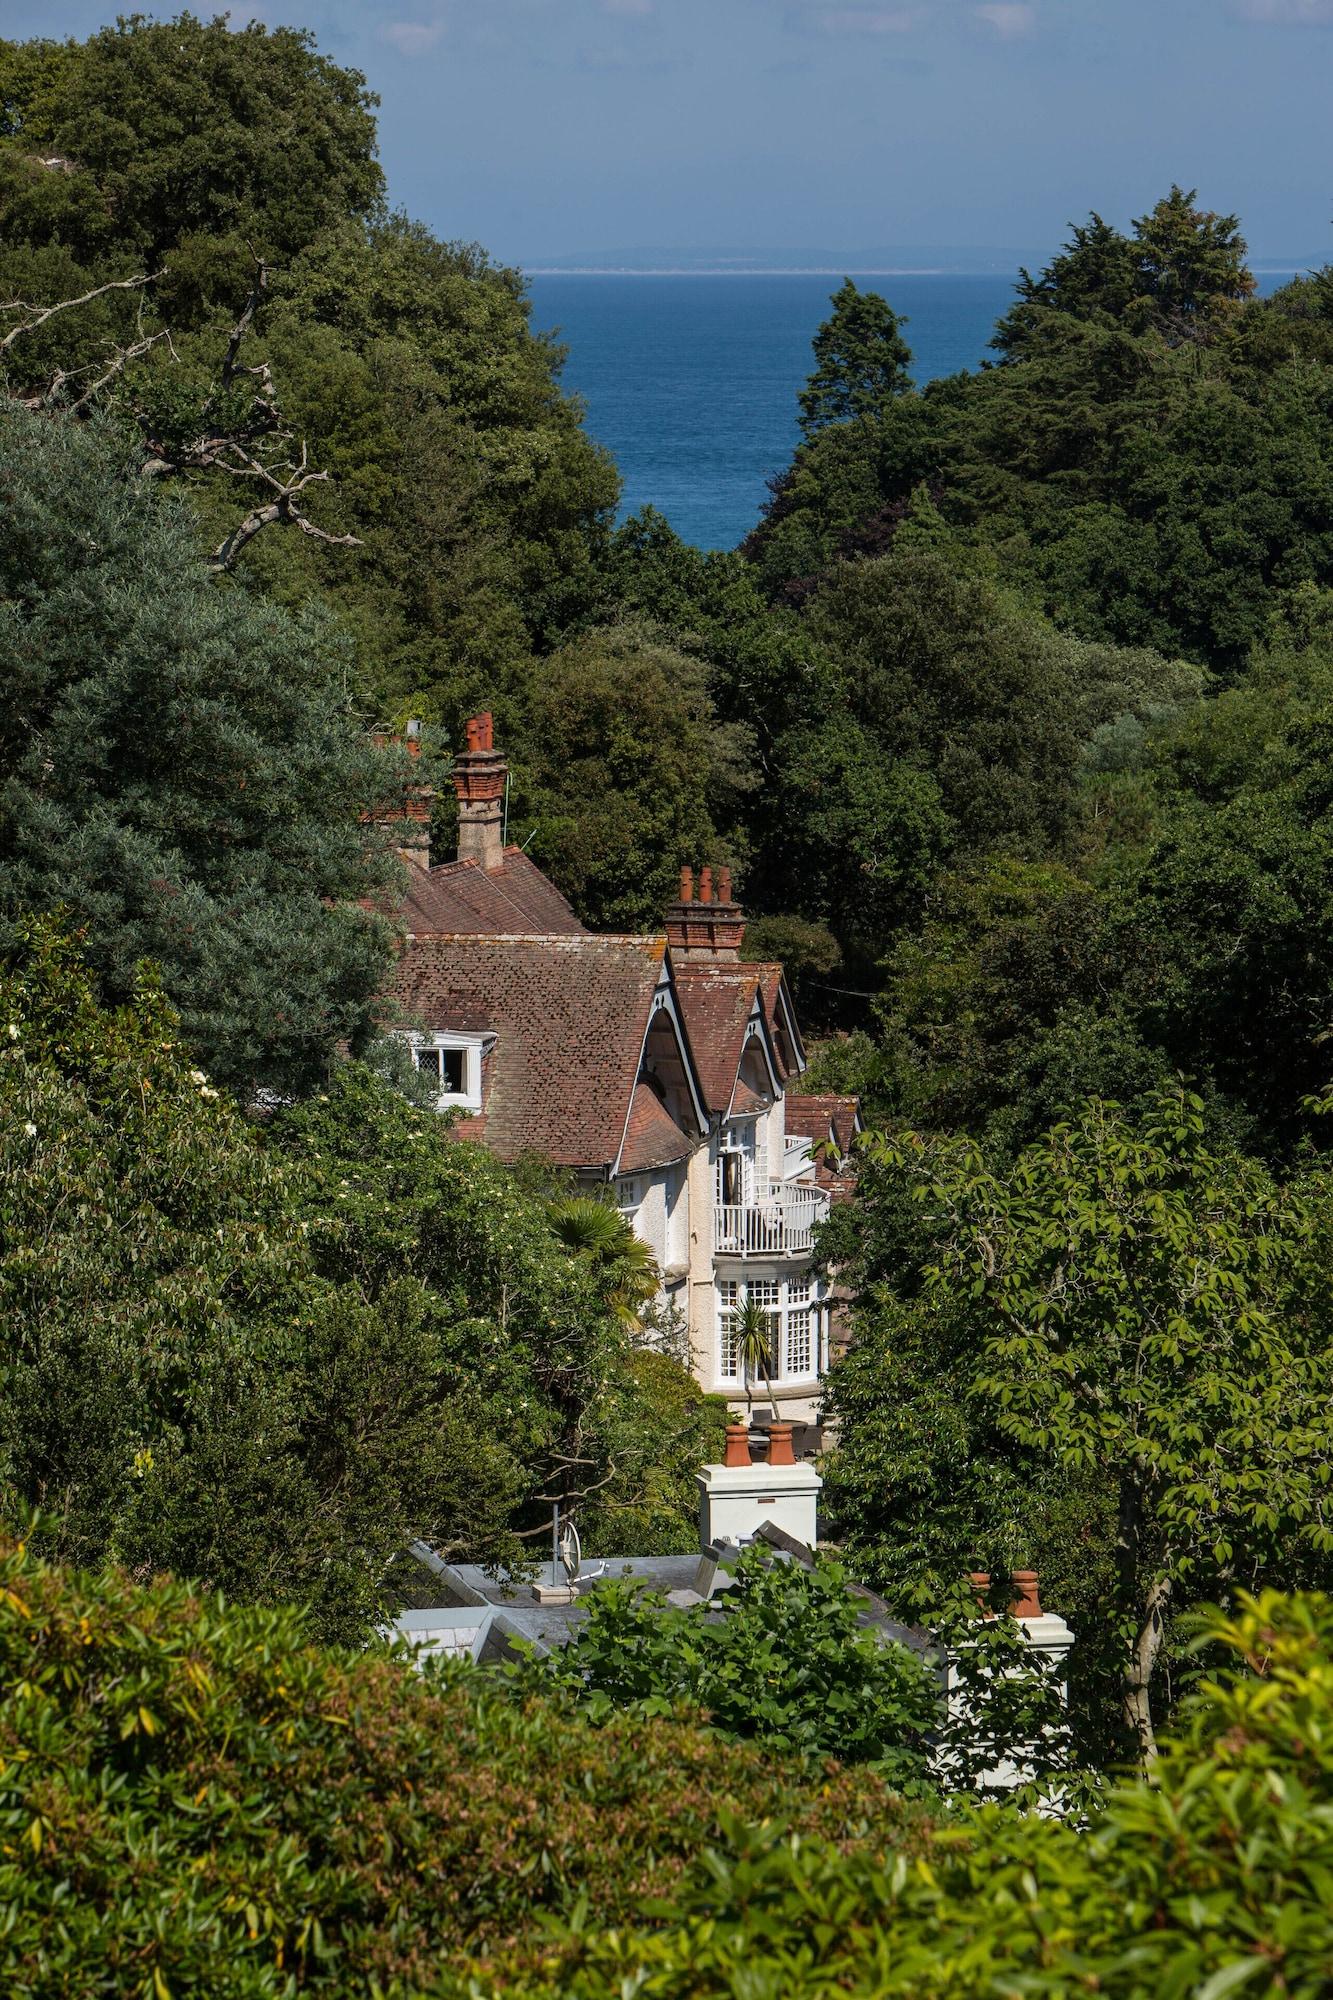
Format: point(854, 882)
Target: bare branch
point(121, 357)
point(284, 509)
point(40, 314)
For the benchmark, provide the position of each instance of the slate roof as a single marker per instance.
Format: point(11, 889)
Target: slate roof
point(569, 1013)
point(652, 1137)
point(462, 896)
point(716, 1002)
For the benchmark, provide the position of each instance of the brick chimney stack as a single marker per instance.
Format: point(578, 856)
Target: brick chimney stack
point(412, 822)
point(480, 775)
point(709, 926)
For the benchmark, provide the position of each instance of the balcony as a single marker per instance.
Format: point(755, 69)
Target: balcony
point(780, 1223)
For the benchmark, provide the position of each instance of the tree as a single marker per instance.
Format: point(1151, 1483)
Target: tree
point(753, 1335)
point(619, 771)
point(405, 370)
point(270, 1357)
point(1158, 1316)
point(540, 1376)
point(954, 682)
point(1191, 262)
point(183, 770)
point(622, 1263)
point(183, 141)
point(178, 1383)
point(778, 1658)
point(861, 362)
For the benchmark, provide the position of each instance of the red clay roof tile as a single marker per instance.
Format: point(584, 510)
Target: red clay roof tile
point(652, 1137)
point(569, 1014)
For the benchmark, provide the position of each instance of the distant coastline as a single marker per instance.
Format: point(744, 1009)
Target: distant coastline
point(750, 271)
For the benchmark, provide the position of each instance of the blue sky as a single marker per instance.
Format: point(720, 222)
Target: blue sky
point(550, 127)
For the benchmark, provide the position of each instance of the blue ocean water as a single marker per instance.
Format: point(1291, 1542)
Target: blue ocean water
point(691, 381)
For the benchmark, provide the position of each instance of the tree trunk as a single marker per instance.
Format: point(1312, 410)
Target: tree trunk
point(1135, 1561)
point(1139, 1667)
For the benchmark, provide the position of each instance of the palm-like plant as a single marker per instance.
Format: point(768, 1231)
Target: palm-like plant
point(752, 1331)
point(624, 1267)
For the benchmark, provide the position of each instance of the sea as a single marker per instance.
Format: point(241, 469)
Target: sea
point(690, 380)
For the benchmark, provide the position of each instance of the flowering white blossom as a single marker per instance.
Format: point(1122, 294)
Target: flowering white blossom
point(30, 1130)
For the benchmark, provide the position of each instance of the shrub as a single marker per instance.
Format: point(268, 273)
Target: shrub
point(779, 1657)
point(1213, 1880)
point(194, 1801)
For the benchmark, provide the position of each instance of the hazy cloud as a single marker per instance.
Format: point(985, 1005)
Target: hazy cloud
point(866, 20)
point(1288, 13)
point(1009, 18)
point(412, 38)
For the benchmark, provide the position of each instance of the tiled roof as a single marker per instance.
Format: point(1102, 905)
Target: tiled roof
point(716, 1002)
point(462, 896)
point(653, 1138)
point(569, 1014)
point(781, 1018)
point(745, 1101)
point(817, 1116)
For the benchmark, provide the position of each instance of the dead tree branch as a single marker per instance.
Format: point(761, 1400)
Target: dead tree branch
point(248, 442)
point(40, 314)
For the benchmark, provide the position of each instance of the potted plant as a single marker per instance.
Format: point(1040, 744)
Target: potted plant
point(753, 1333)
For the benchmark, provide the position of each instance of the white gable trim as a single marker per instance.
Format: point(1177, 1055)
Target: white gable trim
point(664, 1002)
point(757, 1030)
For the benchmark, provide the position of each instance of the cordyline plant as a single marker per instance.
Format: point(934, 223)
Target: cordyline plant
point(1159, 1312)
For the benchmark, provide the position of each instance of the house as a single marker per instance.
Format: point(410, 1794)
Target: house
point(661, 1067)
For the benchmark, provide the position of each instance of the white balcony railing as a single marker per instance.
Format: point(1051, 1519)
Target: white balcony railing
point(779, 1223)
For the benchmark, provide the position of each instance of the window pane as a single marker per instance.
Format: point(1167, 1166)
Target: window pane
point(428, 1062)
point(451, 1069)
point(798, 1291)
point(799, 1355)
point(764, 1292)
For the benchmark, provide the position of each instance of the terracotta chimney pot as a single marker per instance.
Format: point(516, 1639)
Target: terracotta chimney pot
point(779, 1445)
point(472, 731)
point(724, 885)
point(687, 885)
point(1026, 1602)
point(705, 885)
point(738, 1445)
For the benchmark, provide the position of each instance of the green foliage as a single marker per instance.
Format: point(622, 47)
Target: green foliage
point(861, 361)
point(621, 772)
point(625, 1273)
point(779, 1657)
point(1150, 464)
point(1209, 1882)
point(195, 1801)
point(181, 767)
point(179, 1387)
point(182, 140)
point(270, 1360)
point(1148, 1317)
point(407, 365)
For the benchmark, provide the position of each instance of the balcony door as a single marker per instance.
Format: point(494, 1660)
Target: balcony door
point(734, 1171)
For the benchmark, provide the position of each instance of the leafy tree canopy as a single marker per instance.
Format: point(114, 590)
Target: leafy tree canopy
point(861, 361)
point(269, 1359)
point(181, 767)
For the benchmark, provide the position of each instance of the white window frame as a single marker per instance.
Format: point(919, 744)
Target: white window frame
point(472, 1048)
point(796, 1303)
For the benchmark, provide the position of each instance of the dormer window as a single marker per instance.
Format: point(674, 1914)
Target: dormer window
point(452, 1065)
point(447, 1067)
